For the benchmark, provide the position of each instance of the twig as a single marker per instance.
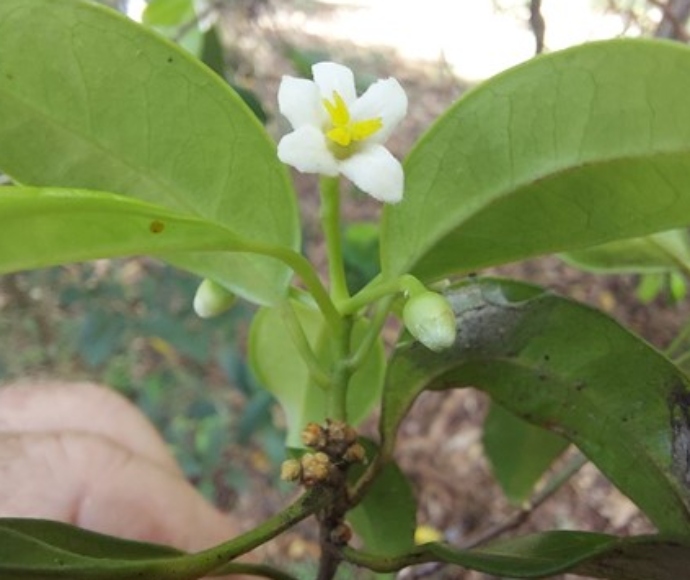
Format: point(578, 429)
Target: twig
point(536, 22)
point(518, 518)
point(214, 559)
point(515, 520)
point(675, 14)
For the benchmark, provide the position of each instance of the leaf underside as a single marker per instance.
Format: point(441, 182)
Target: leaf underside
point(569, 150)
point(571, 369)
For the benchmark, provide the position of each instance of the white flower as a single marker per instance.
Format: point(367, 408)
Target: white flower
point(336, 132)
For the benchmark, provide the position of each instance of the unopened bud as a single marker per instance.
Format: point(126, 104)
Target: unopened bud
point(314, 435)
point(341, 432)
point(355, 453)
point(431, 320)
point(290, 470)
point(316, 468)
point(212, 299)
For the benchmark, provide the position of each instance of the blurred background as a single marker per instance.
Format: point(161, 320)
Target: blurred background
point(129, 323)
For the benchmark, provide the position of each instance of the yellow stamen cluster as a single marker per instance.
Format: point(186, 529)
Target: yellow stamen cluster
point(344, 130)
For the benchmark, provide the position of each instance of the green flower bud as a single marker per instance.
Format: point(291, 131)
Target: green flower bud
point(430, 319)
point(212, 299)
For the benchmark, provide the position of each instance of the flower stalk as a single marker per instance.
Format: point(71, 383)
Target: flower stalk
point(330, 223)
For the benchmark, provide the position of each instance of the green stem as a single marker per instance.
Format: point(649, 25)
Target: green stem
point(304, 269)
point(681, 359)
point(572, 466)
point(380, 563)
point(337, 396)
point(372, 335)
point(357, 492)
point(299, 339)
point(378, 289)
point(677, 342)
point(208, 561)
point(330, 223)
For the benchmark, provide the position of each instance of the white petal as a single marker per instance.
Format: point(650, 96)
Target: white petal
point(299, 101)
point(330, 77)
point(386, 100)
point(376, 172)
point(306, 150)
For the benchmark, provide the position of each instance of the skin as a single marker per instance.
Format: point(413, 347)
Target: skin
point(83, 454)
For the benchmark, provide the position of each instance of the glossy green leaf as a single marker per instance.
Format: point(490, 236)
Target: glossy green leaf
point(664, 252)
point(32, 549)
point(571, 369)
point(519, 452)
point(69, 225)
point(547, 554)
point(39, 550)
point(90, 99)
point(569, 150)
point(386, 518)
point(280, 368)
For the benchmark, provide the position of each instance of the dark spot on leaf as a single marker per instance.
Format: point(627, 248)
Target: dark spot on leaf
point(156, 227)
point(580, 385)
point(9, 76)
point(170, 59)
point(679, 411)
point(547, 357)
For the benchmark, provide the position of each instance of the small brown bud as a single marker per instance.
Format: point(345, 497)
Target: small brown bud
point(316, 468)
point(341, 534)
point(355, 453)
point(313, 435)
point(290, 470)
point(341, 432)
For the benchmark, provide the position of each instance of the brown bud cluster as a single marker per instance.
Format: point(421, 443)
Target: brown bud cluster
point(316, 468)
point(355, 453)
point(335, 449)
point(291, 470)
point(314, 436)
point(336, 439)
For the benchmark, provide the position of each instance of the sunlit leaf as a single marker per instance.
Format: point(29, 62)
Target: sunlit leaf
point(90, 99)
point(69, 225)
point(569, 150)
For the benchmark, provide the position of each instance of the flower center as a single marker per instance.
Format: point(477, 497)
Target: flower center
point(345, 130)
